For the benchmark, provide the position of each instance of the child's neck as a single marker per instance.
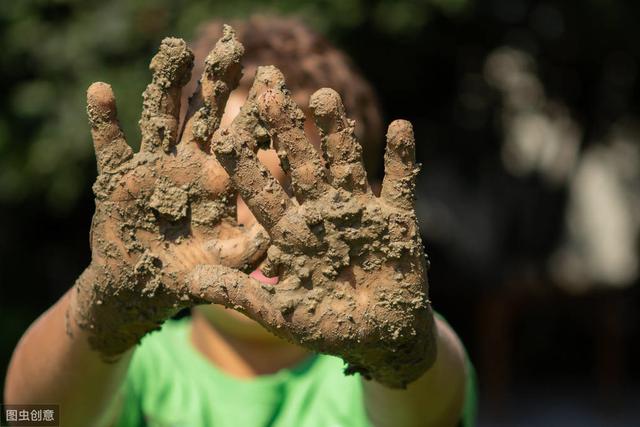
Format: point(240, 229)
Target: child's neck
point(240, 357)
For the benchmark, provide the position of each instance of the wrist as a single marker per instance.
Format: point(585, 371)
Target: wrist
point(96, 310)
point(405, 361)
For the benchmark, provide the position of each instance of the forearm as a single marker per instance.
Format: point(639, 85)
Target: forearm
point(435, 399)
point(49, 365)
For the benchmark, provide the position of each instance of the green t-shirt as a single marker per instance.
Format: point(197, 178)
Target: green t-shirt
point(169, 383)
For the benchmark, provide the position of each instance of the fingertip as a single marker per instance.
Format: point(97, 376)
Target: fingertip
point(271, 107)
point(400, 135)
point(101, 103)
point(325, 101)
point(267, 77)
point(399, 129)
point(270, 76)
point(100, 94)
point(223, 61)
point(326, 105)
point(400, 169)
point(228, 33)
point(222, 143)
point(222, 73)
point(173, 62)
point(328, 110)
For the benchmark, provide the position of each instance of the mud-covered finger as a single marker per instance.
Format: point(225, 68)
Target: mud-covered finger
point(341, 149)
point(243, 250)
point(400, 168)
point(236, 290)
point(284, 121)
point(171, 68)
point(222, 72)
point(262, 193)
point(108, 139)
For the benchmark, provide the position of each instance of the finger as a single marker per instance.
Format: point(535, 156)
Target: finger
point(248, 119)
point(171, 68)
point(343, 153)
point(284, 121)
point(400, 168)
point(216, 192)
point(221, 75)
point(108, 139)
point(242, 250)
point(236, 147)
point(236, 290)
point(247, 122)
point(262, 193)
point(231, 247)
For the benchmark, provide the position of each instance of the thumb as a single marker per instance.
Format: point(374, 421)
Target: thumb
point(243, 247)
point(216, 284)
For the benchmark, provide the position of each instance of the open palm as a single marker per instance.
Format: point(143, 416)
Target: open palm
point(165, 209)
point(351, 266)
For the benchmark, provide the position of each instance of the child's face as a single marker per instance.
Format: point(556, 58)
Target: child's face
point(231, 321)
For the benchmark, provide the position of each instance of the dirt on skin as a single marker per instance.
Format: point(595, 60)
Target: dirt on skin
point(351, 265)
point(163, 210)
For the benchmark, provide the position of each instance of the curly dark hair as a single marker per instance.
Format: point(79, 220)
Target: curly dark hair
point(309, 62)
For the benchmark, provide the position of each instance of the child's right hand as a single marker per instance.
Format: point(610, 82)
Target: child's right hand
point(163, 210)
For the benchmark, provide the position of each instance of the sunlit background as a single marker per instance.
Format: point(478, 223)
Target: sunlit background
point(528, 126)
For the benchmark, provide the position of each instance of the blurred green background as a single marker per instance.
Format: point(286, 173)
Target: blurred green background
point(492, 228)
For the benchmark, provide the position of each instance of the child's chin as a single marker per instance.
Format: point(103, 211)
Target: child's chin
point(234, 323)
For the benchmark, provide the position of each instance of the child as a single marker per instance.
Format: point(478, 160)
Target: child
point(336, 270)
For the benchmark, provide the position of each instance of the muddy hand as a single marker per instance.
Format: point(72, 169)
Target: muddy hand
point(165, 209)
point(351, 266)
